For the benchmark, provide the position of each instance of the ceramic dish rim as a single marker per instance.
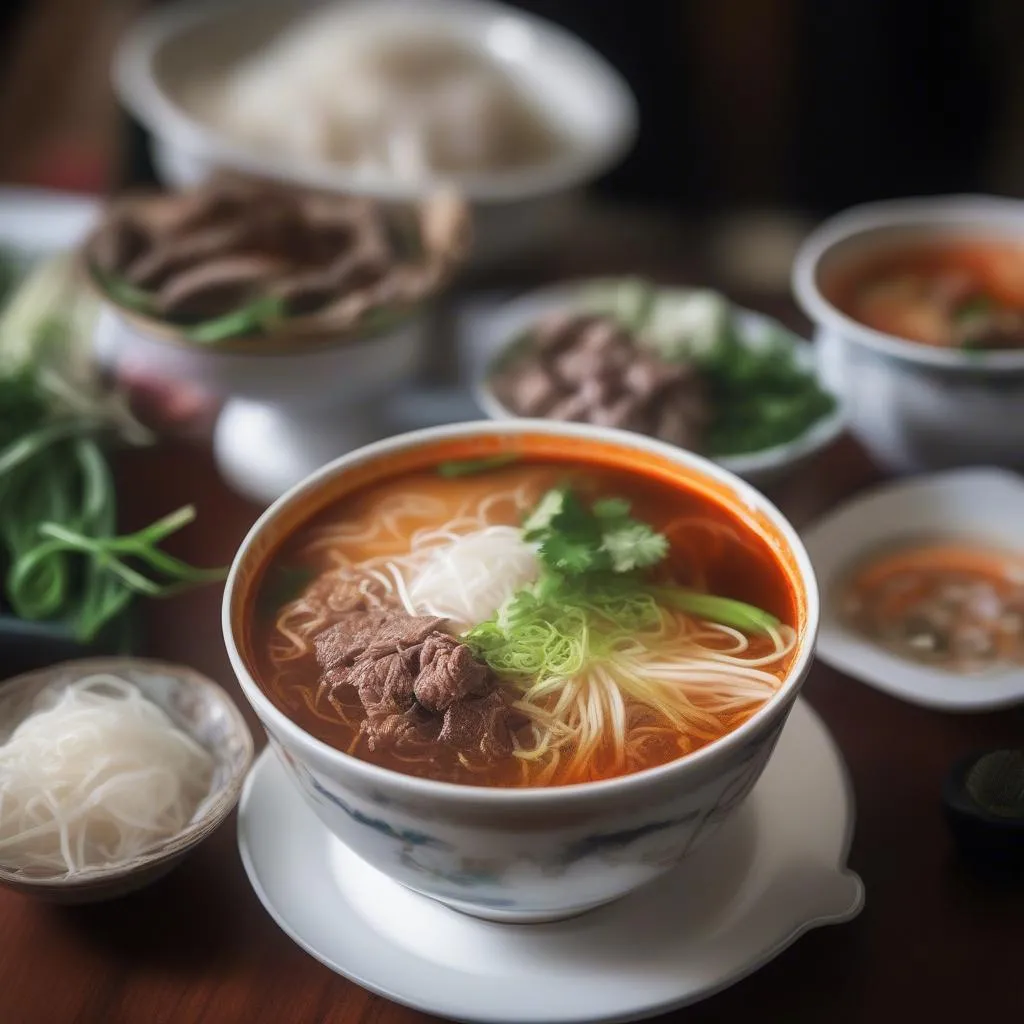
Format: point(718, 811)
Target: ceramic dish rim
point(532, 795)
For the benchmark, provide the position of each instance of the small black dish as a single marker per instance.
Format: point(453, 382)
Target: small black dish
point(983, 798)
point(27, 646)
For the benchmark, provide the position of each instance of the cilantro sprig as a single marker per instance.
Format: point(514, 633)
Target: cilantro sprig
point(573, 539)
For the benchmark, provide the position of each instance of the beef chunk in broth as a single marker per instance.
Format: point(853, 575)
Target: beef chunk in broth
point(418, 686)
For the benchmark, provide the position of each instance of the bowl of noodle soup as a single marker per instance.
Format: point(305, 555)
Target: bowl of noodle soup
point(522, 668)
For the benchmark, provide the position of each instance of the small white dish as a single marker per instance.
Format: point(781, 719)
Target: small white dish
point(507, 326)
point(774, 871)
point(512, 210)
point(983, 503)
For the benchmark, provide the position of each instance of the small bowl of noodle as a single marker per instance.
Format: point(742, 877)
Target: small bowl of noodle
point(524, 667)
point(111, 770)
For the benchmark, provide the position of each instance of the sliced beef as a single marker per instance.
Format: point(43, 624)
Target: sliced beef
point(585, 368)
point(398, 731)
point(448, 673)
point(348, 639)
point(121, 240)
point(206, 290)
point(479, 725)
point(417, 685)
point(386, 682)
point(334, 257)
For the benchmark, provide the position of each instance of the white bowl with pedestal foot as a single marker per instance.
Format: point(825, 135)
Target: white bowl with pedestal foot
point(289, 408)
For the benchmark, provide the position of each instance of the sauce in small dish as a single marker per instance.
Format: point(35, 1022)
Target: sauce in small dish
point(951, 603)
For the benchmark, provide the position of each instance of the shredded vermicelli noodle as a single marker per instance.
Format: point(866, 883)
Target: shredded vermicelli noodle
point(94, 776)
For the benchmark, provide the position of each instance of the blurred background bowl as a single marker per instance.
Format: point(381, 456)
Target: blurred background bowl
point(915, 406)
point(507, 327)
point(513, 210)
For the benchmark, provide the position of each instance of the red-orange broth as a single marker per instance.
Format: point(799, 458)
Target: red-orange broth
point(712, 552)
point(965, 293)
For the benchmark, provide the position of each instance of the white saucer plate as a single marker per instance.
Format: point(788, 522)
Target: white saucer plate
point(774, 871)
point(986, 504)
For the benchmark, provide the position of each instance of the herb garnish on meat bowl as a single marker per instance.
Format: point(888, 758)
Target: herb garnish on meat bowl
point(682, 365)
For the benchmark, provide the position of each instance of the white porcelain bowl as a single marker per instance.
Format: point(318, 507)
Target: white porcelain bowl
point(512, 210)
point(288, 409)
point(519, 854)
point(761, 468)
point(915, 406)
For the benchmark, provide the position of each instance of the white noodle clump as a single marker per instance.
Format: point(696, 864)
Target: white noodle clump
point(468, 580)
point(94, 776)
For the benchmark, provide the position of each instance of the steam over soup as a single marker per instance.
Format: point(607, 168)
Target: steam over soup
point(956, 294)
point(522, 623)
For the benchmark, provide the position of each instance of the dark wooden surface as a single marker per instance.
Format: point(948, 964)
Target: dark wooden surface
point(197, 947)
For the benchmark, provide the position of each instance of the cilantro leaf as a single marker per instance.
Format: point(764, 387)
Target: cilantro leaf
point(611, 508)
point(569, 554)
point(574, 539)
point(634, 545)
point(546, 511)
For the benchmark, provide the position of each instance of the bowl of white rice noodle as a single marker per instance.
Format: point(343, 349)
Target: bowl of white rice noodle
point(111, 771)
point(383, 97)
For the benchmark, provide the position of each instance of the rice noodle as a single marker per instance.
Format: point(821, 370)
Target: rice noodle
point(94, 776)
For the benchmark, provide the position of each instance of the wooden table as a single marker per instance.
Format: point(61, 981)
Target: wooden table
point(198, 948)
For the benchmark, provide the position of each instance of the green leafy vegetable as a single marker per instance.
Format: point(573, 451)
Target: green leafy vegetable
point(724, 610)
point(472, 467)
point(555, 626)
point(126, 294)
point(610, 508)
point(60, 555)
point(551, 505)
point(976, 307)
point(633, 545)
point(604, 538)
point(257, 316)
point(759, 394)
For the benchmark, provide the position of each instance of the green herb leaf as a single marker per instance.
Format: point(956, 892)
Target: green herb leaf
point(603, 538)
point(545, 512)
point(284, 585)
point(471, 467)
point(568, 554)
point(611, 508)
point(124, 293)
point(724, 610)
point(634, 545)
point(250, 319)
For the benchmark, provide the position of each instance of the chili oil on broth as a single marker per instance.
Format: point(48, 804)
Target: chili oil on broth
point(710, 550)
point(952, 603)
